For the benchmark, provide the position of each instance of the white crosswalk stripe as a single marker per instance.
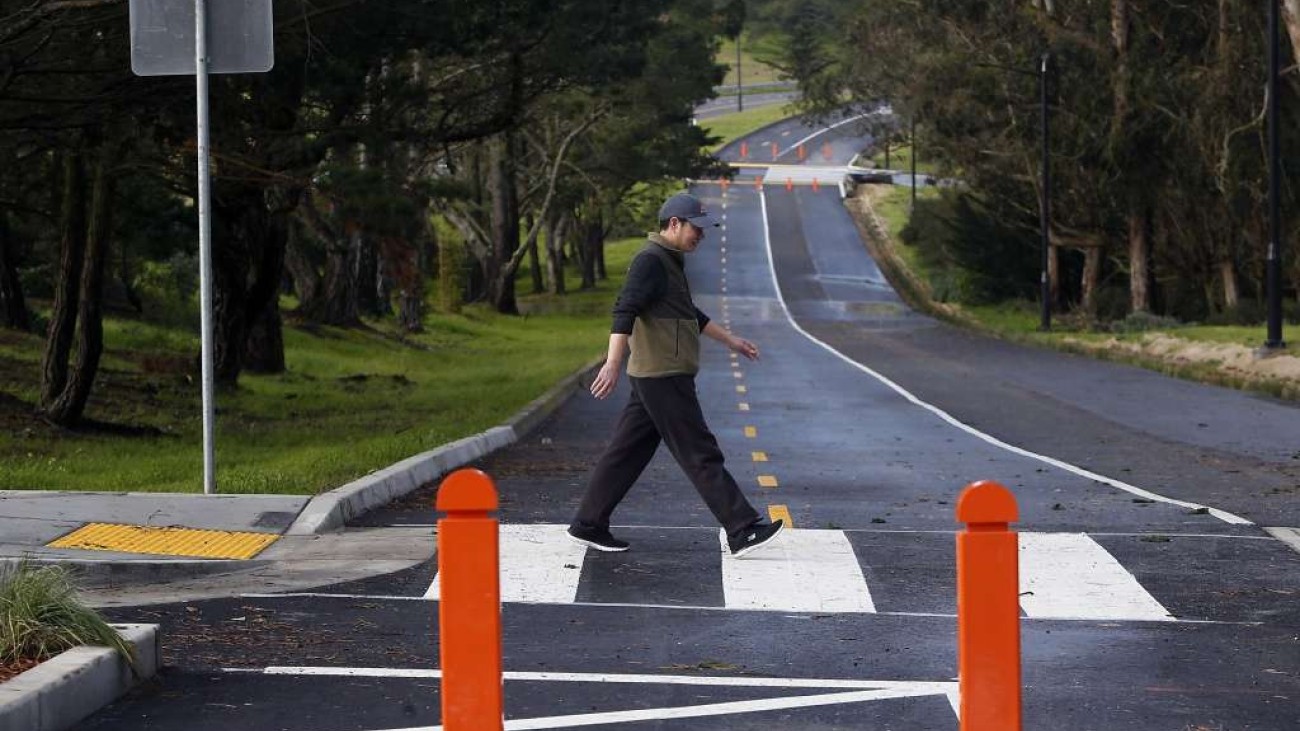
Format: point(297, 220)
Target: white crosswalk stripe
point(806, 571)
point(539, 565)
point(1062, 575)
point(1070, 576)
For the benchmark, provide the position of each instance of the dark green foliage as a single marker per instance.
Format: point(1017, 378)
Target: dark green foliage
point(972, 254)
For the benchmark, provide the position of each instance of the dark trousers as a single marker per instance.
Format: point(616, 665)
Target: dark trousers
point(668, 410)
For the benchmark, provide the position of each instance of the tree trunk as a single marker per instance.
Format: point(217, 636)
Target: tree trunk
point(63, 318)
point(591, 241)
point(505, 226)
point(1139, 256)
point(1291, 18)
point(338, 304)
point(1090, 279)
point(12, 301)
point(264, 349)
point(555, 254)
point(535, 267)
point(450, 276)
point(306, 280)
point(1053, 278)
point(1231, 295)
point(68, 406)
point(364, 259)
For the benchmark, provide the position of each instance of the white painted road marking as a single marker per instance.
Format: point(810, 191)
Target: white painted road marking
point(1063, 575)
point(804, 571)
point(1070, 576)
point(539, 565)
point(861, 691)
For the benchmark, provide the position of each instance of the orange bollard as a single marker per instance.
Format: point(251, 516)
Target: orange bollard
point(816, 186)
point(789, 184)
point(744, 150)
point(758, 184)
point(803, 154)
point(469, 610)
point(988, 609)
point(774, 151)
point(826, 151)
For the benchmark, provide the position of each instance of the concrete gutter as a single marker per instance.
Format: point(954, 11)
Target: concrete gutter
point(63, 690)
point(331, 510)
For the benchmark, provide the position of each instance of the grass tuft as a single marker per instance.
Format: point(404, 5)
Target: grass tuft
point(41, 616)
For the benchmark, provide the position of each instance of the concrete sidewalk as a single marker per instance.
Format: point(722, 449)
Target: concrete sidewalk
point(206, 545)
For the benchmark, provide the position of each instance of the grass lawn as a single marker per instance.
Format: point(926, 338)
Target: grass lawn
point(352, 401)
point(738, 124)
point(900, 158)
point(752, 71)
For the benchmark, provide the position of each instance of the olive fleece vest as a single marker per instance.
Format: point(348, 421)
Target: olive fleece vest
point(666, 336)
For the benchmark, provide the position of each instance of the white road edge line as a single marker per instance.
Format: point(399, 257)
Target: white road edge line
point(945, 416)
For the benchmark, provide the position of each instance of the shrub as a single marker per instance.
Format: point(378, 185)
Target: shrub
point(41, 616)
point(1137, 322)
point(972, 254)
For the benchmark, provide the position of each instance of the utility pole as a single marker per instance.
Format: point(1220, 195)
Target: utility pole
point(1273, 273)
point(740, 86)
point(914, 162)
point(1045, 209)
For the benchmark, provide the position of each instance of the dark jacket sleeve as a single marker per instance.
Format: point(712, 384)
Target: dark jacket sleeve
point(701, 318)
point(646, 282)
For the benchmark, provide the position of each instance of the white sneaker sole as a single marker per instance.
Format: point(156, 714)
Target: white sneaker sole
point(747, 550)
point(593, 544)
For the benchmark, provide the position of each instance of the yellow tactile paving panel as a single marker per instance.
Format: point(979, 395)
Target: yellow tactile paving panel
point(166, 541)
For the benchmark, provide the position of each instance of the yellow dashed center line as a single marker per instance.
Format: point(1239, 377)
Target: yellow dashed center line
point(741, 389)
point(780, 512)
point(751, 432)
point(738, 374)
point(768, 481)
point(744, 406)
point(758, 456)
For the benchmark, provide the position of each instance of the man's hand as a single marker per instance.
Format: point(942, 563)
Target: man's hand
point(606, 380)
point(744, 347)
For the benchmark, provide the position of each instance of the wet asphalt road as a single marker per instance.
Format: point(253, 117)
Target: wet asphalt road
point(854, 458)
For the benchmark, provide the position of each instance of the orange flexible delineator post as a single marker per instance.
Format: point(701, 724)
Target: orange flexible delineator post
point(988, 609)
point(744, 150)
point(469, 609)
point(775, 155)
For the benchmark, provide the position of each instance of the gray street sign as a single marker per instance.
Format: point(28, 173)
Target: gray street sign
point(240, 37)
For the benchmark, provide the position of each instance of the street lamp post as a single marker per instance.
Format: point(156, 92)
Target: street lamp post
point(1273, 273)
point(1045, 208)
point(914, 162)
point(740, 86)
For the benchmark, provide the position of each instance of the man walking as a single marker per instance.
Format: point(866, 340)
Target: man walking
point(656, 318)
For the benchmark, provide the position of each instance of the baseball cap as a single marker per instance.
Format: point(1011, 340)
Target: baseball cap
point(686, 207)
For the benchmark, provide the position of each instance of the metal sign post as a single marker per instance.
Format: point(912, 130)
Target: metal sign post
point(239, 40)
point(205, 246)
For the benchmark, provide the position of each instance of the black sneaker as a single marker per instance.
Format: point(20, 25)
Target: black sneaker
point(754, 538)
point(601, 540)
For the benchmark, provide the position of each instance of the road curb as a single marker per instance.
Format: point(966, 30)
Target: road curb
point(67, 688)
point(109, 573)
point(331, 510)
